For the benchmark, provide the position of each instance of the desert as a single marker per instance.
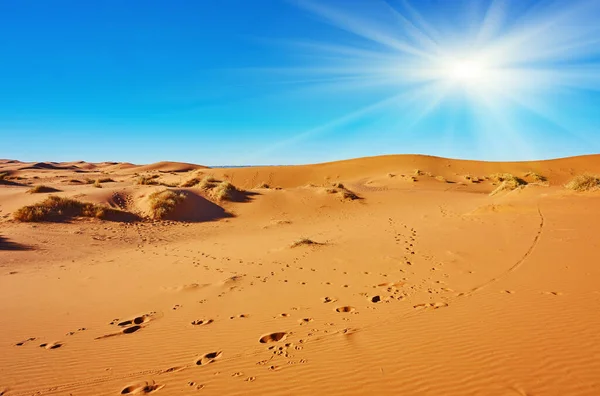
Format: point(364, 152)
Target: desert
point(405, 274)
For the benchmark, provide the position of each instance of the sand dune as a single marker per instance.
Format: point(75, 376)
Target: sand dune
point(424, 285)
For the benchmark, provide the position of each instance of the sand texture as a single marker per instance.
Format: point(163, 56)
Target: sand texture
point(404, 275)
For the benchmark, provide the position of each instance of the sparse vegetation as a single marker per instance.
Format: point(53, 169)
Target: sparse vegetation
point(263, 185)
point(208, 183)
point(224, 191)
point(164, 202)
point(56, 208)
point(441, 179)
point(536, 177)
point(3, 175)
point(508, 182)
point(191, 182)
point(97, 184)
point(584, 183)
point(390, 175)
point(147, 180)
point(42, 189)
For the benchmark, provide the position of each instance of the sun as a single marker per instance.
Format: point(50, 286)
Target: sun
point(466, 71)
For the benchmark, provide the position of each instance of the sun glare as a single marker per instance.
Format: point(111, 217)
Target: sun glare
point(466, 71)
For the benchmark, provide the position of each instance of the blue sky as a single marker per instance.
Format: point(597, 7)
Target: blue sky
point(298, 81)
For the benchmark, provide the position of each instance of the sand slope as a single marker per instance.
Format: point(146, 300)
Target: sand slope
point(424, 287)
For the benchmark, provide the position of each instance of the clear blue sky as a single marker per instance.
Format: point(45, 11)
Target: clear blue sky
point(285, 82)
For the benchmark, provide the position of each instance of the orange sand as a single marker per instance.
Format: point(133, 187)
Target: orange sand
point(419, 287)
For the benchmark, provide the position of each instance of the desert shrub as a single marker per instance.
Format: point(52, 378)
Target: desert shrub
point(507, 182)
point(164, 202)
point(55, 208)
point(147, 180)
point(208, 183)
point(584, 183)
point(41, 189)
point(536, 177)
point(224, 191)
point(191, 182)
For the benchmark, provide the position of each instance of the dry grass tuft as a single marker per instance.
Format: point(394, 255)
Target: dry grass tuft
point(191, 182)
point(263, 185)
point(42, 189)
point(147, 180)
point(441, 179)
point(55, 208)
point(304, 242)
point(536, 177)
point(224, 191)
point(208, 183)
point(164, 202)
point(3, 175)
point(508, 182)
point(584, 183)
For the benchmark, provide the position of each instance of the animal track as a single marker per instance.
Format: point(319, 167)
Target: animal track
point(241, 316)
point(328, 300)
point(305, 320)
point(345, 309)
point(141, 388)
point(208, 358)
point(273, 337)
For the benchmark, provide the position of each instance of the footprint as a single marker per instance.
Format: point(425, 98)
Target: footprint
point(126, 330)
point(305, 320)
point(553, 293)
point(284, 315)
point(251, 379)
point(208, 358)
point(131, 329)
point(273, 337)
point(51, 345)
point(241, 316)
point(328, 299)
point(238, 374)
point(202, 322)
point(137, 320)
point(345, 309)
point(21, 343)
point(141, 388)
